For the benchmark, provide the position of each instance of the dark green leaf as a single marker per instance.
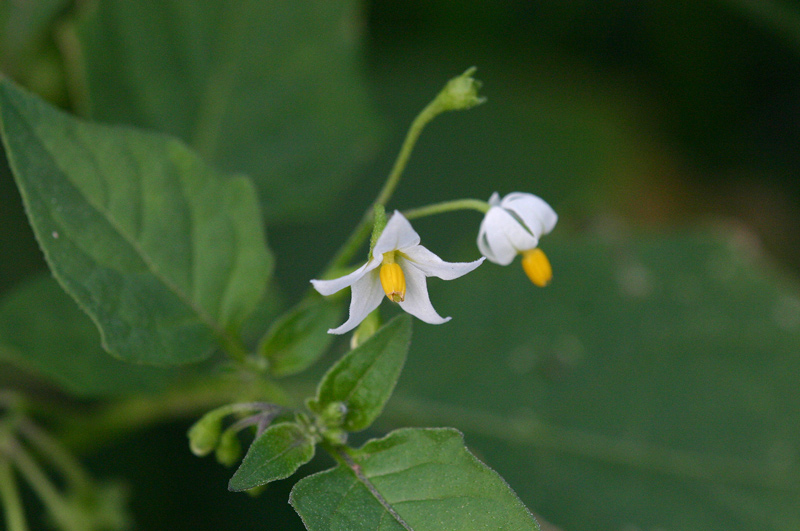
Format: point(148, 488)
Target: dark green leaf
point(43, 330)
point(420, 479)
point(167, 257)
point(297, 339)
point(276, 454)
point(364, 379)
point(269, 88)
point(653, 384)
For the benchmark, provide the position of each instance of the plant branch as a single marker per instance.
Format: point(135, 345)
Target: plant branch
point(10, 499)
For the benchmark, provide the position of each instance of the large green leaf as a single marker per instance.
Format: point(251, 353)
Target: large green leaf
point(364, 379)
point(267, 87)
point(275, 454)
point(652, 385)
point(44, 331)
point(420, 479)
point(166, 256)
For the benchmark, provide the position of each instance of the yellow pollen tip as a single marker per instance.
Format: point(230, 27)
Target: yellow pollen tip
point(537, 267)
point(393, 281)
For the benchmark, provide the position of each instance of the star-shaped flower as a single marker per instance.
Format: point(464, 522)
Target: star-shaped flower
point(513, 226)
point(398, 268)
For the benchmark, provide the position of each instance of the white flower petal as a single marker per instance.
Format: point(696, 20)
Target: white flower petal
point(501, 237)
point(417, 302)
point(397, 235)
point(433, 266)
point(494, 200)
point(329, 287)
point(538, 216)
point(367, 294)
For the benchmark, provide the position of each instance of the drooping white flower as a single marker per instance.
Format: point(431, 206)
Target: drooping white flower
point(513, 226)
point(404, 267)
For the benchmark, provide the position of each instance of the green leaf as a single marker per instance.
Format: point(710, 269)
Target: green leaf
point(364, 379)
point(276, 454)
point(298, 338)
point(43, 330)
point(167, 257)
point(269, 88)
point(420, 479)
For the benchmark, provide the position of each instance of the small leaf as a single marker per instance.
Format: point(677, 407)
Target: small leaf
point(297, 339)
point(276, 454)
point(166, 256)
point(43, 330)
point(364, 379)
point(420, 479)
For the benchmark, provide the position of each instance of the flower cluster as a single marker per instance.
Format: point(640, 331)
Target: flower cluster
point(398, 265)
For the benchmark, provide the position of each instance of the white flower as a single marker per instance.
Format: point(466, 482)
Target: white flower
point(405, 264)
point(513, 226)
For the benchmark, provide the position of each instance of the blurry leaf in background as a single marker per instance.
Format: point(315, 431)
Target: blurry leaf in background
point(27, 50)
point(653, 384)
point(420, 479)
point(165, 255)
point(299, 337)
point(44, 331)
point(269, 88)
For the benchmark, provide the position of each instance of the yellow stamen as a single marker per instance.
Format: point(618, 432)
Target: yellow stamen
point(537, 267)
point(393, 281)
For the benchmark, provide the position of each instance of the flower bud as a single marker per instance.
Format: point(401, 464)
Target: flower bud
point(204, 434)
point(229, 448)
point(461, 92)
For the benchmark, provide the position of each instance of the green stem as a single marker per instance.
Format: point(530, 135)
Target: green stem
point(44, 488)
point(9, 496)
point(447, 206)
point(364, 227)
point(427, 114)
point(58, 456)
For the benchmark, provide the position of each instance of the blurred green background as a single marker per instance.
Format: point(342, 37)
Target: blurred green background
point(653, 385)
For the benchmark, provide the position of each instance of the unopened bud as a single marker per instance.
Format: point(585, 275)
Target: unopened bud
point(204, 434)
point(461, 92)
point(229, 448)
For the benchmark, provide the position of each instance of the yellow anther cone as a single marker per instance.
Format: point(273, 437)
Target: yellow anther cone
point(537, 267)
point(393, 281)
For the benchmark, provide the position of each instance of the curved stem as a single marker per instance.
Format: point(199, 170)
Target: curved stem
point(364, 227)
point(59, 457)
point(447, 206)
point(44, 488)
point(10, 499)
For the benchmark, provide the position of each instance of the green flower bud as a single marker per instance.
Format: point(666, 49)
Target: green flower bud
point(461, 92)
point(334, 414)
point(229, 448)
point(204, 434)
